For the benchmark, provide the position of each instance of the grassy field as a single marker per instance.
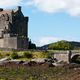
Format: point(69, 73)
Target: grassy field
point(39, 73)
point(24, 55)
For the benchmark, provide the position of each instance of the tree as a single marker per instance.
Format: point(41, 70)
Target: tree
point(31, 45)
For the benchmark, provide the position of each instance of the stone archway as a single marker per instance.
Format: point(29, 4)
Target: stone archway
point(73, 54)
point(75, 58)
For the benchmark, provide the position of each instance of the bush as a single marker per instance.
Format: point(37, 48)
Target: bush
point(7, 54)
point(14, 55)
point(28, 54)
point(1, 55)
point(40, 55)
point(31, 45)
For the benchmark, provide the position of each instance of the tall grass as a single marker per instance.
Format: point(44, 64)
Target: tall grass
point(24, 54)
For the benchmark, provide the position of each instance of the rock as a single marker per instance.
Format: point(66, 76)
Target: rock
point(17, 61)
point(26, 63)
point(55, 64)
point(32, 63)
point(39, 60)
point(51, 60)
point(4, 59)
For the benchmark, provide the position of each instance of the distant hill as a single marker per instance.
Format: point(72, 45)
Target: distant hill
point(75, 44)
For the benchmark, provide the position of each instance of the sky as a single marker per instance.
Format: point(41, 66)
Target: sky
point(49, 20)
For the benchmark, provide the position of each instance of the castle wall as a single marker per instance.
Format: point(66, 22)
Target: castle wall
point(14, 43)
point(10, 43)
point(22, 43)
point(1, 43)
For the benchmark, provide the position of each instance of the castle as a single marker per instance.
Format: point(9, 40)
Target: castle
point(13, 29)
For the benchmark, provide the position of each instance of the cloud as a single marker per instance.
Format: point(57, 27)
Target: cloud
point(40, 41)
point(47, 5)
point(9, 3)
point(46, 40)
point(72, 7)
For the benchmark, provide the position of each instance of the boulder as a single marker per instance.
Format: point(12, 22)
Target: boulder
point(39, 60)
point(4, 59)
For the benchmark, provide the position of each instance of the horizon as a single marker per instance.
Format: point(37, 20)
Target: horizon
point(49, 20)
point(58, 41)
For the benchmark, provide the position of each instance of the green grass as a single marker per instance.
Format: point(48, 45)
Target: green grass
point(38, 73)
point(24, 55)
point(23, 59)
point(30, 73)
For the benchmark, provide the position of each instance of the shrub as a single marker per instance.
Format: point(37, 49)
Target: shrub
point(7, 54)
point(1, 55)
point(28, 54)
point(40, 55)
point(31, 45)
point(14, 55)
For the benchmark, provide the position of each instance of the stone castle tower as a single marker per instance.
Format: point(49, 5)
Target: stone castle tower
point(13, 29)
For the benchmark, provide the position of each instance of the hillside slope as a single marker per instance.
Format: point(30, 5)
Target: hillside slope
point(74, 44)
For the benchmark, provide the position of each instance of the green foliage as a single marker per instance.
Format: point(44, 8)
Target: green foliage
point(28, 54)
point(1, 55)
point(40, 54)
point(61, 45)
point(31, 45)
point(24, 55)
point(7, 54)
point(14, 55)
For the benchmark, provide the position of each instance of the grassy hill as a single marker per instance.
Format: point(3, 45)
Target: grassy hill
point(74, 44)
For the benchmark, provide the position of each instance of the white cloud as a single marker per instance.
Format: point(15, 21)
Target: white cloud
point(48, 5)
point(51, 39)
point(70, 6)
point(46, 40)
point(9, 3)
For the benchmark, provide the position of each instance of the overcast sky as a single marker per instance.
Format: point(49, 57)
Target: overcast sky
point(49, 20)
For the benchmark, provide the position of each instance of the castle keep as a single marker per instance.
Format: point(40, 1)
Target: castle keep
point(13, 29)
